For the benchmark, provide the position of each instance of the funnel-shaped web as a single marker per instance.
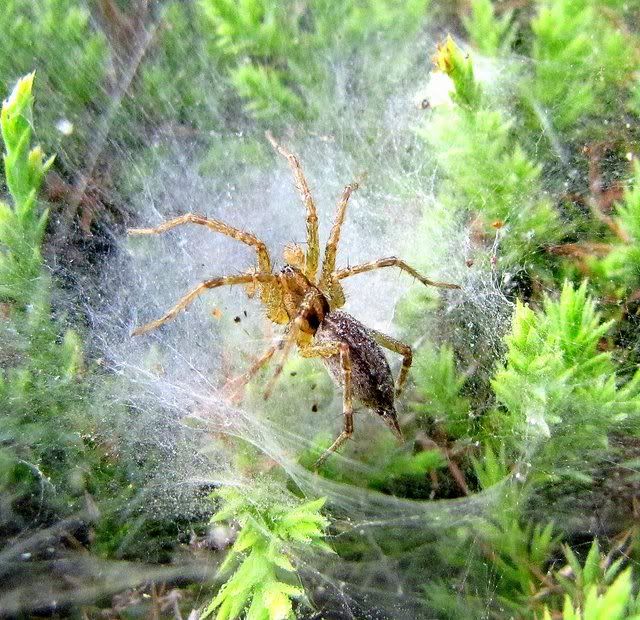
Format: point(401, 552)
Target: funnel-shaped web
point(163, 398)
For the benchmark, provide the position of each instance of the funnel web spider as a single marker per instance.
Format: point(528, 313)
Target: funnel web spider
point(307, 300)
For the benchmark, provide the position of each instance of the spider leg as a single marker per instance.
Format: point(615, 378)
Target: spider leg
point(313, 242)
point(296, 329)
point(187, 299)
point(329, 261)
point(390, 262)
point(326, 349)
point(397, 347)
point(330, 349)
point(264, 264)
point(234, 386)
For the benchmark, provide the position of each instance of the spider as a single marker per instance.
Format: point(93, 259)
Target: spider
point(306, 300)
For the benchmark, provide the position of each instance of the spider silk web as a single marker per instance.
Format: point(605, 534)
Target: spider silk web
point(177, 373)
point(163, 392)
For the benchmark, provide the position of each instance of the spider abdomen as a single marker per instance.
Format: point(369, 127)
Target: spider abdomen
point(371, 378)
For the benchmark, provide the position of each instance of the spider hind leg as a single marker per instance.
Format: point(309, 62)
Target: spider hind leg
point(234, 387)
point(325, 350)
point(397, 347)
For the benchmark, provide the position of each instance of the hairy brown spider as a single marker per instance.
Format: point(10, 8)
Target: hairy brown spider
point(307, 303)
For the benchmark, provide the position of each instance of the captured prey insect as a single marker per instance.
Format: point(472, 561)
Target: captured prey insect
point(306, 300)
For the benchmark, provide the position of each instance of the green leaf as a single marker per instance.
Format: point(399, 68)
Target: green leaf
point(247, 538)
point(491, 469)
point(269, 524)
point(278, 600)
point(613, 570)
point(612, 604)
point(488, 33)
point(450, 60)
point(591, 572)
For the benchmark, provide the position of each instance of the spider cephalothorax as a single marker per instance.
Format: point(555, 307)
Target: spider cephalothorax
point(308, 302)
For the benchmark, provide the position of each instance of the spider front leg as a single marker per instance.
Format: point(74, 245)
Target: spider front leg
point(192, 295)
point(391, 262)
point(397, 347)
point(331, 250)
point(264, 264)
point(313, 242)
point(329, 349)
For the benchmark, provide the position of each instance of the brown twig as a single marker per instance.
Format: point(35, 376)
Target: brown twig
point(450, 454)
point(602, 198)
point(580, 250)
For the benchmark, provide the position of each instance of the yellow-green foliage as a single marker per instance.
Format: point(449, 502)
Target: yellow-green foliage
point(39, 396)
point(55, 38)
point(596, 590)
point(581, 61)
point(22, 224)
point(276, 52)
point(556, 385)
point(264, 583)
point(488, 33)
point(487, 173)
point(438, 394)
point(620, 269)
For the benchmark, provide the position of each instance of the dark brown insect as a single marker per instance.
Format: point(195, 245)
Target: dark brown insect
point(307, 303)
